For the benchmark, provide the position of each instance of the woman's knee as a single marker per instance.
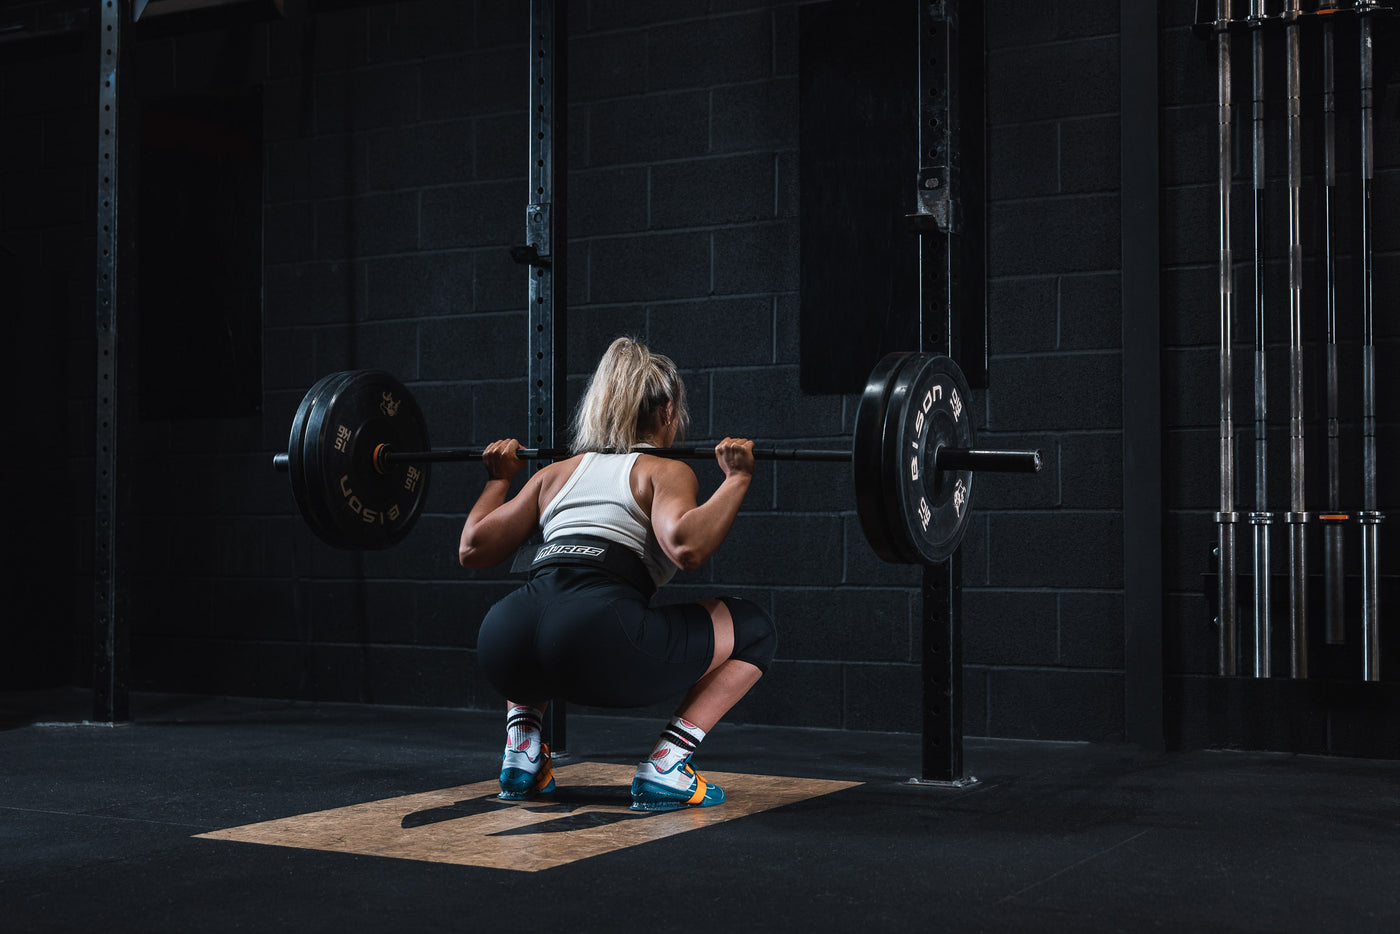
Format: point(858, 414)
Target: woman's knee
point(755, 636)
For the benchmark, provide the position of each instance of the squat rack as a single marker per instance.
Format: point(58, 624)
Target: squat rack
point(948, 215)
point(111, 649)
point(545, 252)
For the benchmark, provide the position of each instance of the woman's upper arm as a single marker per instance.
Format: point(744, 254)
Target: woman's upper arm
point(674, 491)
point(517, 517)
point(498, 534)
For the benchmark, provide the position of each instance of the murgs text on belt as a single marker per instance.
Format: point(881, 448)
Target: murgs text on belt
point(586, 551)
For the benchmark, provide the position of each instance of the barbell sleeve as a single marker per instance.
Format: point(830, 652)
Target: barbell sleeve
point(993, 461)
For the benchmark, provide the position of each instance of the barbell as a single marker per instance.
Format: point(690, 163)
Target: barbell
point(358, 458)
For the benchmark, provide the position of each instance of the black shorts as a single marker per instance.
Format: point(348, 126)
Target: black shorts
point(580, 635)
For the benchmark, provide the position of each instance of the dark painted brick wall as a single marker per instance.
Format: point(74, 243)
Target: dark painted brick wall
point(395, 177)
point(47, 151)
point(395, 154)
point(1043, 561)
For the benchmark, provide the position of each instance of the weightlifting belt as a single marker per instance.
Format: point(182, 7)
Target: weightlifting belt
point(586, 551)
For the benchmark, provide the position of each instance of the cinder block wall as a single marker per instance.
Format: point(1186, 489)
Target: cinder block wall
point(48, 148)
point(395, 154)
point(1043, 576)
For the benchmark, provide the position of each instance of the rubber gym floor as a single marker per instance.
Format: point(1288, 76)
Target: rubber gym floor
point(241, 815)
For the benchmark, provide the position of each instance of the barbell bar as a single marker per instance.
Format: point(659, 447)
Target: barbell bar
point(943, 458)
point(358, 456)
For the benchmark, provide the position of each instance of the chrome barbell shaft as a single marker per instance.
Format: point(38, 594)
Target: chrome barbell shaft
point(944, 458)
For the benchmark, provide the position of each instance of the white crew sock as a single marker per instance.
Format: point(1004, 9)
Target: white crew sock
point(673, 747)
point(523, 740)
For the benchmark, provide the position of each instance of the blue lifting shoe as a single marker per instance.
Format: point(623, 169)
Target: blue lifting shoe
point(675, 788)
point(518, 784)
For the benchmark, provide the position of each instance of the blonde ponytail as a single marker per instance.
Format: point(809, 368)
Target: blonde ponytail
point(624, 397)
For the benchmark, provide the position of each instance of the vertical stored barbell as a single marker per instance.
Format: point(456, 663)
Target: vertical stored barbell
point(1222, 20)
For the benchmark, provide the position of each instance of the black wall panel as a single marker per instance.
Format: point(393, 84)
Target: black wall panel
point(858, 161)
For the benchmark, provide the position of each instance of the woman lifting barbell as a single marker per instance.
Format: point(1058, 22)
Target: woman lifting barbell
point(616, 526)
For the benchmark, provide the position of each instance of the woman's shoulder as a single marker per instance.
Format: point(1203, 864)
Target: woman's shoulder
point(664, 469)
point(555, 473)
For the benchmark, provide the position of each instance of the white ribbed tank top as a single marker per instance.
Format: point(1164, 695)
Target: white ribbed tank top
point(597, 500)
